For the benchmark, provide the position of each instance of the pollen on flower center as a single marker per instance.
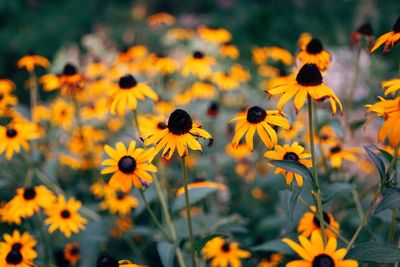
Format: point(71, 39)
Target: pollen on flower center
point(396, 26)
point(256, 114)
point(323, 260)
point(14, 257)
point(198, 55)
point(336, 149)
point(226, 247)
point(179, 122)
point(309, 75)
point(11, 132)
point(127, 82)
point(326, 219)
point(127, 164)
point(69, 70)
point(65, 214)
point(16, 246)
point(107, 261)
point(29, 193)
point(314, 46)
point(291, 156)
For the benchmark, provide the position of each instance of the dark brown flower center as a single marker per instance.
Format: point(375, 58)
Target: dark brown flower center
point(69, 70)
point(213, 109)
point(11, 132)
point(161, 125)
point(365, 29)
point(65, 214)
point(127, 164)
point(396, 26)
point(127, 82)
point(179, 122)
point(314, 46)
point(14, 257)
point(226, 247)
point(16, 246)
point(29, 193)
point(75, 251)
point(256, 114)
point(309, 75)
point(326, 219)
point(1, 97)
point(336, 149)
point(198, 55)
point(107, 261)
point(120, 195)
point(323, 260)
point(291, 156)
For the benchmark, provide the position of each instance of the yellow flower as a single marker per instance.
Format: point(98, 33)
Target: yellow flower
point(229, 50)
point(7, 101)
point(214, 35)
point(391, 86)
point(107, 261)
point(163, 65)
point(203, 90)
point(16, 135)
point(225, 80)
point(314, 53)
point(164, 107)
point(274, 261)
point(62, 113)
point(262, 54)
point(161, 19)
point(240, 73)
point(201, 183)
point(17, 250)
point(241, 151)
point(95, 69)
point(308, 82)
point(180, 34)
point(314, 253)
point(337, 153)
point(50, 82)
point(119, 202)
point(29, 200)
point(63, 215)
point(294, 152)
point(303, 40)
point(310, 223)
point(6, 86)
point(70, 81)
point(124, 96)
point(150, 124)
point(30, 61)
point(294, 131)
point(129, 166)
point(72, 253)
point(390, 39)
point(260, 120)
point(198, 65)
point(181, 133)
point(223, 253)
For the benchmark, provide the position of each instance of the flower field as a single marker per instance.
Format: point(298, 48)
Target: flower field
point(180, 147)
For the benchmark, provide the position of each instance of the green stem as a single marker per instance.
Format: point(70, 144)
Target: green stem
point(45, 242)
point(33, 101)
point(168, 219)
point(364, 219)
point(316, 190)
point(153, 216)
point(395, 211)
point(135, 117)
point(357, 202)
point(188, 214)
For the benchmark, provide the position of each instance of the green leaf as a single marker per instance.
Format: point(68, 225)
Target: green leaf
point(288, 200)
point(334, 189)
point(166, 251)
point(375, 252)
point(195, 195)
point(273, 246)
point(378, 162)
point(357, 124)
point(295, 167)
point(386, 155)
point(199, 244)
point(390, 200)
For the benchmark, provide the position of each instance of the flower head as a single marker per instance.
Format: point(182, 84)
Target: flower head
point(309, 222)
point(389, 39)
point(17, 250)
point(314, 53)
point(222, 252)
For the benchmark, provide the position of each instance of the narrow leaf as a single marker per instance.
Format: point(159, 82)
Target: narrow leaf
point(167, 253)
point(390, 200)
point(378, 162)
point(295, 167)
point(375, 252)
point(273, 246)
point(195, 195)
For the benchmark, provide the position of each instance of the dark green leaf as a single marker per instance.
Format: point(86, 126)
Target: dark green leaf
point(375, 252)
point(357, 124)
point(334, 189)
point(295, 167)
point(274, 246)
point(378, 162)
point(195, 195)
point(390, 200)
point(167, 253)
point(288, 200)
point(387, 155)
point(199, 244)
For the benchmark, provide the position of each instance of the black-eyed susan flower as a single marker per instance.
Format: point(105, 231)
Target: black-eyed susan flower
point(222, 253)
point(225, 81)
point(337, 154)
point(314, 53)
point(95, 69)
point(364, 31)
point(201, 183)
point(161, 19)
point(29, 200)
point(303, 40)
point(294, 152)
point(150, 124)
point(213, 109)
point(314, 253)
point(309, 223)
point(239, 152)
point(62, 113)
point(72, 253)
point(294, 131)
point(240, 72)
point(203, 90)
point(50, 82)
point(179, 34)
point(7, 101)
point(181, 134)
point(262, 54)
point(64, 216)
point(198, 65)
point(229, 50)
point(119, 202)
point(163, 65)
point(256, 119)
point(30, 61)
point(214, 35)
point(6, 85)
point(308, 82)
point(16, 135)
point(129, 166)
point(389, 39)
point(391, 86)
point(17, 250)
point(164, 107)
point(273, 261)
point(110, 261)
point(126, 93)
point(70, 80)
